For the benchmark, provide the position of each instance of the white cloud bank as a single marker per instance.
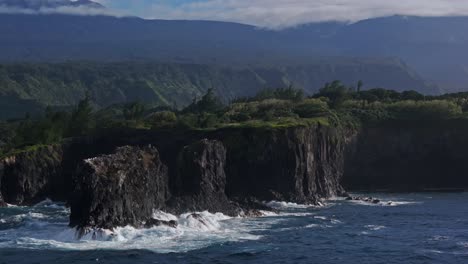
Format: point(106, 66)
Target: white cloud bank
point(286, 13)
point(269, 13)
point(59, 10)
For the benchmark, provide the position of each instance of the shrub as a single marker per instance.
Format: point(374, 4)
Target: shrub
point(311, 108)
point(161, 119)
point(436, 109)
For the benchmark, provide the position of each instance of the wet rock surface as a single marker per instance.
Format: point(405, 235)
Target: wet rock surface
point(156, 222)
point(119, 189)
point(363, 199)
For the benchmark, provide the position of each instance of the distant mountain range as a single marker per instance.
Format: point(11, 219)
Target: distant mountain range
point(41, 4)
point(435, 48)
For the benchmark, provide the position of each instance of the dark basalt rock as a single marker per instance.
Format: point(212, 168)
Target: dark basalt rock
point(2, 202)
point(119, 189)
point(30, 177)
point(363, 199)
point(156, 222)
point(201, 180)
point(408, 156)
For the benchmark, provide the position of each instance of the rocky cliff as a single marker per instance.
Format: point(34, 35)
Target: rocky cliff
point(408, 156)
point(227, 171)
point(232, 169)
point(31, 176)
point(299, 164)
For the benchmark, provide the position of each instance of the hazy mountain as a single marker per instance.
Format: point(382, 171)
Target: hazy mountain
point(433, 47)
point(41, 4)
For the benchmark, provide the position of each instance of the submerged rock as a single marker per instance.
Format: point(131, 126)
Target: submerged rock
point(119, 189)
point(156, 222)
point(364, 199)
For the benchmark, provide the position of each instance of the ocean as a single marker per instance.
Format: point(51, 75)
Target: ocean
point(403, 228)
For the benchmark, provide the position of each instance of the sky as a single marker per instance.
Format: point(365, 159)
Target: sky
point(282, 13)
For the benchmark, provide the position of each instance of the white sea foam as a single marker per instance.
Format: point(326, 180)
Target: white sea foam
point(440, 238)
point(375, 227)
point(384, 202)
point(47, 203)
point(194, 231)
point(286, 205)
point(320, 217)
point(463, 244)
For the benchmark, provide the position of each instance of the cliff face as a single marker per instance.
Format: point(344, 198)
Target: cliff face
point(30, 177)
point(300, 164)
point(408, 157)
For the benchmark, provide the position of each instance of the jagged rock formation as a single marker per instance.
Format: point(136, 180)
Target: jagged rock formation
point(201, 179)
point(30, 177)
point(119, 189)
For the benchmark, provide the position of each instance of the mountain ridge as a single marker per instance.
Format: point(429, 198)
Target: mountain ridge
point(433, 47)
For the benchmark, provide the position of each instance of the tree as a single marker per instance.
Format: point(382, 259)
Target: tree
point(412, 95)
point(134, 111)
point(336, 92)
point(209, 103)
point(162, 119)
point(81, 121)
point(360, 84)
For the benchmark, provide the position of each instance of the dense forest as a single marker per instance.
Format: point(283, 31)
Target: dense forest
point(334, 104)
point(33, 87)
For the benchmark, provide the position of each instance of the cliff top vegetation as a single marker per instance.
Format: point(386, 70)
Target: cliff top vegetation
point(334, 105)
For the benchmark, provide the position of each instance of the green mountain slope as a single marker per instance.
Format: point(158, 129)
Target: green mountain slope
point(30, 87)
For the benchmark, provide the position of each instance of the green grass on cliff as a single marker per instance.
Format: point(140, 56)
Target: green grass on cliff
point(280, 123)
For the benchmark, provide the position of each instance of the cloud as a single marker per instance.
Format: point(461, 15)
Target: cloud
point(53, 7)
point(274, 14)
point(286, 13)
point(59, 10)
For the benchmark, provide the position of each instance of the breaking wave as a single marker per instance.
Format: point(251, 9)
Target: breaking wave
point(46, 226)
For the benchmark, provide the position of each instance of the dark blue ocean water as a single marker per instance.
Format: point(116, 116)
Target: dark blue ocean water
point(415, 228)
